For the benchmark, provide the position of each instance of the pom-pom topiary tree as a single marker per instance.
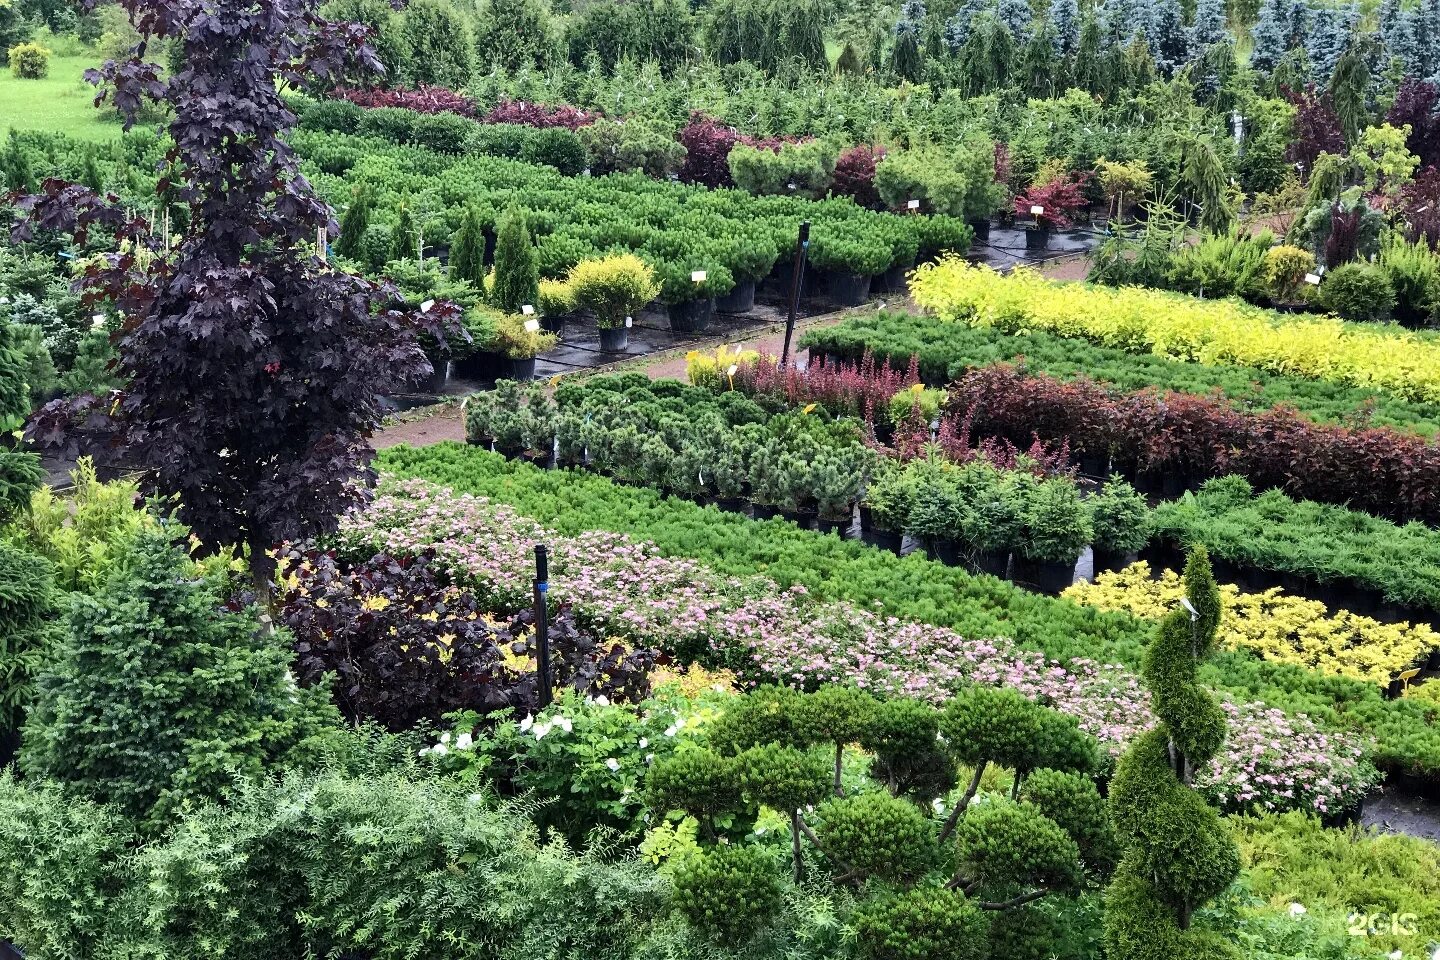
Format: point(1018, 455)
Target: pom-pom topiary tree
point(1176, 853)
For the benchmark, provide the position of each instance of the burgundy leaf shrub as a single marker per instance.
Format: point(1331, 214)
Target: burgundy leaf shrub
point(855, 175)
point(539, 115)
point(423, 100)
point(1419, 206)
point(1317, 127)
point(1060, 199)
point(403, 645)
point(1415, 104)
point(708, 143)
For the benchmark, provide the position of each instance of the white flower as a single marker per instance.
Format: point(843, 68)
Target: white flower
point(563, 723)
point(425, 751)
point(1395, 955)
point(541, 729)
point(440, 749)
point(649, 758)
point(644, 742)
point(670, 731)
point(1297, 909)
point(526, 724)
point(938, 805)
point(613, 764)
point(601, 701)
point(464, 742)
point(445, 737)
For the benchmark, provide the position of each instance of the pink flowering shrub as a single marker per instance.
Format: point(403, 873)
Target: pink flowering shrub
point(630, 590)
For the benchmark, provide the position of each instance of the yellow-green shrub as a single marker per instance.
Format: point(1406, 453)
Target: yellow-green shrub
point(1174, 325)
point(614, 287)
point(1273, 625)
point(29, 61)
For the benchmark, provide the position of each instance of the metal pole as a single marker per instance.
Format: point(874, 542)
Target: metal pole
point(802, 247)
point(542, 624)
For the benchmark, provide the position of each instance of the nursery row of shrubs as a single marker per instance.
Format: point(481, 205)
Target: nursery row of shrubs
point(701, 243)
point(945, 351)
point(1405, 364)
point(830, 568)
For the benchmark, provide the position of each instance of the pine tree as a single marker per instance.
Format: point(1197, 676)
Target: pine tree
point(404, 239)
point(1176, 852)
point(517, 264)
point(1065, 22)
point(467, 250)
point(1209, 26)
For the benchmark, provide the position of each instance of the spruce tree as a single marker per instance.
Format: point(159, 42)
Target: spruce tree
point(1016, 17)
point(905, 59)
point(354, 224)
point(1170, 43)
point(1089, 70)
point(1348, 89)
point(404, 239)
point(90, 172)
point(1065, 23)
point(1270, 37)
point(517, 264)
point(1041, 73)
point(1204, 175)
point(964, 21)
point(467, 250)
point(1330, 34)
point(1209, 26)
point(16, 164)
point(1176, 852)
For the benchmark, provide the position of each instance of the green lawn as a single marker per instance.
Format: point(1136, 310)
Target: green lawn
point(61, 102)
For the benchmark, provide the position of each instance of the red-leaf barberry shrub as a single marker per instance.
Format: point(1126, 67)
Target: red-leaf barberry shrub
point(539, 115)
point(855, 175)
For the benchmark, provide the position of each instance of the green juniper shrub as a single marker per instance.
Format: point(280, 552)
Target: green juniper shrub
point(1119, 516)
point(467, 250)
point(404, 236)
point(730, 891)
point(158, 697)
point(928, 923)
point(1358, 291)
point(876, 835)
point(354, 225)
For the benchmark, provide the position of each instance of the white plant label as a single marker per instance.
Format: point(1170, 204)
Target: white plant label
point(731, 370)
point(425, 307)
point(97, 321)
point(629, 322)
point(913, 204)
point(532, 326)
point(526, 310)
point(698, 276)
point(1036, 209)
point(1313, 279)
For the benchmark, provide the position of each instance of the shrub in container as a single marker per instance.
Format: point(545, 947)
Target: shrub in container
point(1120, 518)
point(517, 265)
point(991, 517)
point(915, 401)
point(1357, 291)
point(520, 340)
point(555, 302)
point(849, 259)
point(690, 303)
point(938, 234)
point(1414, 274)
point(1056, 528)
point(956, 181)
point(788, 169)
point(754, 252)
point(614, 288)
point(1284, 270)
point(885, 508)
point(556, 147)
point(903, 235)
point(836, 478)
point(633, 145)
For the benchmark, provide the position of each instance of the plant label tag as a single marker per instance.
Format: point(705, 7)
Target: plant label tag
point(1036, 209)
point(730, 371)
point(698, 276)
point(629, 322)
point(532, 326)
point(97, 321)
point(527, 311)
point(912, 204)
point(425, 307)
point(1313, 279)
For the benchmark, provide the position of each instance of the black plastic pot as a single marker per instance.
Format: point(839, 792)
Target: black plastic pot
point(614, 339)
point(994, 562)
point(1037, 238)
point(848, 289)
point(1048, 578)
point(803, 519)
point(692, 316)
point(1095, 465)
point(867, 517)
point(884, 539)
point(981, 228)
point(480, 365)
point(435, 383)
point(1108, 560)
point(943, 550)
point(522, 369)
point(763, 511)
point(554, 324)
point(840, 528)
point(893, 280)
point(730, 504)
point(740, 299)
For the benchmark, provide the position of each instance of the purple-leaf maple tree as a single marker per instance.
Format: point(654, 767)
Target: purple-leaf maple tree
point(254, 371)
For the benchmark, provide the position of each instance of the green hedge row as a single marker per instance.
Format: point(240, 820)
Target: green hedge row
point(912, 587)
point(946, 349)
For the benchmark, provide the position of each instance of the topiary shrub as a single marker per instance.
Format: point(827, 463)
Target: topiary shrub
point(985, 725)
point(784, 778)
point(877, 835)
point(1357, 291)
point(924, 924)
point(159, 696)
point(1002, 846)
point(701, 783)
point(332, 116)
point(908, 759)
point(30, 61)
point(730, 892)
point(1176, 853)
point(1073, 802)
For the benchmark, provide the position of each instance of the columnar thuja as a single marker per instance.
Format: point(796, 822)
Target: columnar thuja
point(1176, 852)
point(254, 371)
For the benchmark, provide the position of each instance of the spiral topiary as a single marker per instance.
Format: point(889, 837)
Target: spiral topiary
point(1176, 853)
point(730, 892)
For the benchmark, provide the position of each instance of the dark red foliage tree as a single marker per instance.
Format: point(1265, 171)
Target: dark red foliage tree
point(254, 371)
point(1317, 127)
point(1415, 104)
point(855, 175)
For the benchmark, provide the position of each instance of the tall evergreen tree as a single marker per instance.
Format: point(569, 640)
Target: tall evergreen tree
point(1270, 37)
point(1089, 66)
point(1349, 87)
point(964, 21)
point(517, 264)
point(1170, 42)
point(1330, 34)
point(405, 238)
point(1041, 73)
point(467, 250)
point(1209, 26)
point(1016, 17)
point(1065, 23)
point(1176, 852)
point(906, 59)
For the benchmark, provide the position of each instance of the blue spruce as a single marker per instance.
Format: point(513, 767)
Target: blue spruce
point(1209, 26)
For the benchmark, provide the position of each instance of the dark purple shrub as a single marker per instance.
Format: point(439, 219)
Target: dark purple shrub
point(1317, 126)
point(539, 115)
point(423, 100)
point(1419, 206)
point(1343, 243)
point(855, 175)
point(1415, 104)
point(707, 144)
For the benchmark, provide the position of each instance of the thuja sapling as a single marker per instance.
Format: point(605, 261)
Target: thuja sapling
point(237, 323)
